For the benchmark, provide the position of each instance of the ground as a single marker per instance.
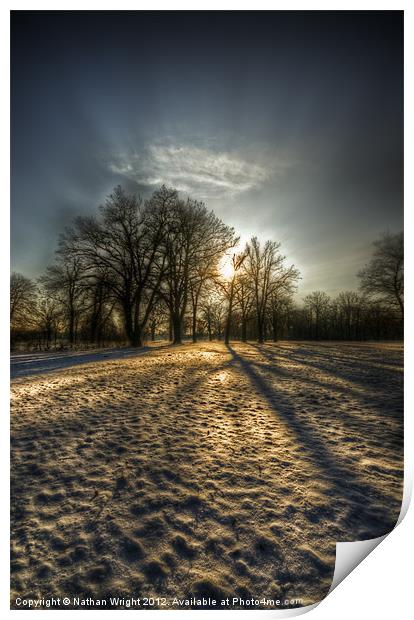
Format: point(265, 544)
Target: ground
point(203, 469)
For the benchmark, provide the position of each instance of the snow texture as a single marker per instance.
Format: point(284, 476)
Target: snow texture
point(202, 469)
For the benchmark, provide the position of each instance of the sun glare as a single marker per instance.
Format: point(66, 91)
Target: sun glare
point(226, 267)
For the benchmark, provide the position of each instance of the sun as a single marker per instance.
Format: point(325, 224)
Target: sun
point(226, 267)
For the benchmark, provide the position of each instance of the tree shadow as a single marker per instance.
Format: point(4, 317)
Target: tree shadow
point(368, 508)
point(330, 366)
point(365, 392)
point(42, 364)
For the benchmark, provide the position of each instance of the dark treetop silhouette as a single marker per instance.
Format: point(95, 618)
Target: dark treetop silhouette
point(155, 267)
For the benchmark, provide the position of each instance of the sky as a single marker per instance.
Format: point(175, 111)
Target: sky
point(289, 125)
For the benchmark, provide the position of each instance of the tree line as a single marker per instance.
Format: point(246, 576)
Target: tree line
point(168, 267)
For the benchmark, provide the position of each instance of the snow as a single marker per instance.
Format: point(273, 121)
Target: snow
point(25, 364)
point(202, 470)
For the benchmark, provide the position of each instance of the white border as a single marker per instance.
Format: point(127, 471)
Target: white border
point(381, 586)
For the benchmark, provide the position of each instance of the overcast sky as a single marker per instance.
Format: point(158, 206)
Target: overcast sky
point(289, 125)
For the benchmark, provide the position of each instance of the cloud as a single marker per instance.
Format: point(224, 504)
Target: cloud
point(205, 172)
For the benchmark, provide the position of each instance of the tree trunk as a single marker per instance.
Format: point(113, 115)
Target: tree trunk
point(136, 338)
point(244, 330)
point(71, 328)
point(48, 336)
point(128, 323)
point(229, 313)
point(275, 327)
point(133, 332)
point(177, 329)
point(194, 324)
point(93, 336)
point(260, 330)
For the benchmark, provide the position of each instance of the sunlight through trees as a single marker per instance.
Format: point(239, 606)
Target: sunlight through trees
point(169, 268)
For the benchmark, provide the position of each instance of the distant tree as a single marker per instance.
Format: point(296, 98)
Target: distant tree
point(219, 316)
point(22, 299)
point(245, 302)
point(216, 240)
point(280, 305)
point(383, 277)
point(267, 273)
point(158, 318)
point(212, 310)
point(48, 318)
point(236, 263)
point(63, 281)
point(349, 306)
point(99, 306)
point(207, 309)
point(317, 305)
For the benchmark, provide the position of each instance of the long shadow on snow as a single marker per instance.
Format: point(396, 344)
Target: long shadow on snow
point(20, 369)
point(366, 394)
point(371, 382)
point(330, 366)
point(367, 507)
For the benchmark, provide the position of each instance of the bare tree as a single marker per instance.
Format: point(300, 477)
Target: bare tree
point(267, 274)
point(349, 305)
point(317, 305)
point(211, 309)
point(123, 248)
point(48, 318)
point(217, 239)
point(100, 306)
point(158, 318)
point(63, 281)
point(236, 263)
point(383, 277)
point(218, 319)
point(22, 298)
point(279, 307)
point(245, 302)
point(195, 240)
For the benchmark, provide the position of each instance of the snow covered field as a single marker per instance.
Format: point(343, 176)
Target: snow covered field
point(25, 364)
point(203, 470)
